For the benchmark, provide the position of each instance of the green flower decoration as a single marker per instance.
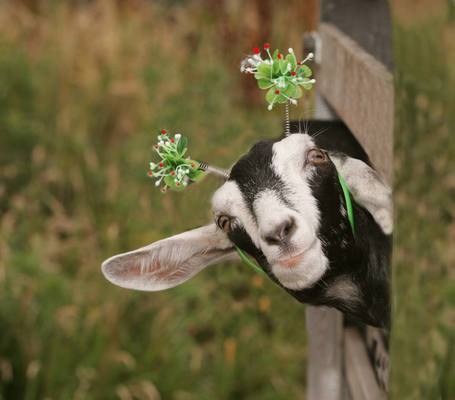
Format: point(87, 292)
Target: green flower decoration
point(282, 76)
point(173, 170)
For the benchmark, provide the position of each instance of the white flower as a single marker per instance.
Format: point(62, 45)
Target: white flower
point(177, 136)
point(291, 50)
point(270, 106)
point(152, 165)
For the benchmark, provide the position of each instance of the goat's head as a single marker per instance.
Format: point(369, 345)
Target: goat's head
point(283, 205)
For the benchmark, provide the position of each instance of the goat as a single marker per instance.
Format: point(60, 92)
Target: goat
point(283, 204)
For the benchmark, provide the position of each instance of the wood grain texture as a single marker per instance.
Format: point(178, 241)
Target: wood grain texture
point(360, 90)
point(376, 343)
point(359, 373)
point(325, 337)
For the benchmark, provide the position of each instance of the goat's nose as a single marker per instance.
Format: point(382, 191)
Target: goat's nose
point(280, 233)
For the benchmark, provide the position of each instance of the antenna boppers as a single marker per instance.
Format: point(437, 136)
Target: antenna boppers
point(174, 170)
point(282, 76)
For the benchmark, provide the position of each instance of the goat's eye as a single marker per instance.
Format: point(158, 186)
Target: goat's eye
point(316, 157)
point(224, 223)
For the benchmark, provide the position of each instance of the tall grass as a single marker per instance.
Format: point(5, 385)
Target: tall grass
point(84, 86)
point(84, 89)
point(423, 336)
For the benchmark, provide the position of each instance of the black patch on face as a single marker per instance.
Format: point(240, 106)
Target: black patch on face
point(334, 227)
point(253, 174)
point(359, 258)
point(241, 239)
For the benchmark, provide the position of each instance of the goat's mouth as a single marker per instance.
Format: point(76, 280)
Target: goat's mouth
point(303, 269)
point(293, 261)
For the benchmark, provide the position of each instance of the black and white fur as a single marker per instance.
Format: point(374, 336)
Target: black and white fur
point(290, 215)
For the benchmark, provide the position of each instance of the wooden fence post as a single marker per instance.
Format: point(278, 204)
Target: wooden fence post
point(325, 336)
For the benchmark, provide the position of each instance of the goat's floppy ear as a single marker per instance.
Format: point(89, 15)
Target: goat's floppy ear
point(367, 188)
point(169, 262)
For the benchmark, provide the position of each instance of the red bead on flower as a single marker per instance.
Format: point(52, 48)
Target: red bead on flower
point(172, 140)
point(256, 50)
point(150, 173)
point(293, 73)
point(266, 46)
point(277, 91)
point(172, 173)
point(280, 56)
point(161, 165)
point(163, 131)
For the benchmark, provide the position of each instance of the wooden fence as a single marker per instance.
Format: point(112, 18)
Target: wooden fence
point(354, 63)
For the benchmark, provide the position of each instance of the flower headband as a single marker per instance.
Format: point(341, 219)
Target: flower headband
point(282, 76)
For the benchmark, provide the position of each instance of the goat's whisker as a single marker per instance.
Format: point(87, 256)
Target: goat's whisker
point(320, 132)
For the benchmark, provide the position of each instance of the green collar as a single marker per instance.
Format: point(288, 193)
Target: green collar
point(248, 261)
point(347, 199)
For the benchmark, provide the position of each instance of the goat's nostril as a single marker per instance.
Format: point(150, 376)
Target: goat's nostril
point(281, 233)
point(288, 229)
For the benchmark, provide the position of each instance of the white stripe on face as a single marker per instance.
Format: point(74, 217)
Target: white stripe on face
point(288, 163)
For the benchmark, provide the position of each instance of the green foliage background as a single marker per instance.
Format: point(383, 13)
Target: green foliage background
point(84, 87)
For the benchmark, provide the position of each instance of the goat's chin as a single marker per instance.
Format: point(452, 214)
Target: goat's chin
point(306, 272)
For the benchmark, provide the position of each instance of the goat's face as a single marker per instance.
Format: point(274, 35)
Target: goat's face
point(272, 204)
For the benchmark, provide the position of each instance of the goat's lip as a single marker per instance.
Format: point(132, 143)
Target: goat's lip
point(292, 261)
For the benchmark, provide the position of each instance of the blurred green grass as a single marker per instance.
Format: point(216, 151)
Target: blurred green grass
point(423, 337)
point(83, 89)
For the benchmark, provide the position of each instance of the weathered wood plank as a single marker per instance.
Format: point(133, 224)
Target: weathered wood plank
point(325, 340)
point(376, 344)
point(358, 370)
point(325, 331)
point(368, 23)
point(360, 90)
